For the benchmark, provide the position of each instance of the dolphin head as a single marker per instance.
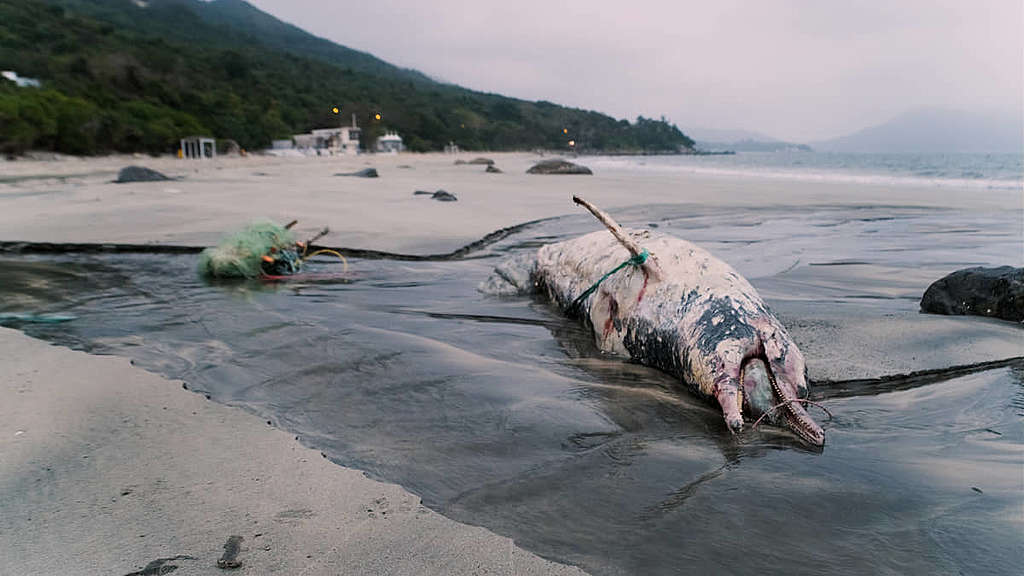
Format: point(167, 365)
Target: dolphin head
point(777, 397)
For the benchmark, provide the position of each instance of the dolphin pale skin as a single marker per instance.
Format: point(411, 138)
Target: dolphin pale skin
point(676, 308)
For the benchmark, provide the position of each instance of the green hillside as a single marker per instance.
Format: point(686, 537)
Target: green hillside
point(124, 75)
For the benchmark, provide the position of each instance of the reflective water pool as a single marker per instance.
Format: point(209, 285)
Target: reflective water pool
point(501, 413)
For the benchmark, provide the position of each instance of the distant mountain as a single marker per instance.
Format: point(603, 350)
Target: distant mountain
point(934, 131)
point(703, 134)
point(739, 140)
point(137, 75)
point(753, 146)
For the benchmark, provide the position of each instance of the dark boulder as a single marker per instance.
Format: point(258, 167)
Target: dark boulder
point(493, 169)
point(557, 166)
point(478, 161)
point(364, 173)
point(996, 292)
point(440, 195)
point(139, 174)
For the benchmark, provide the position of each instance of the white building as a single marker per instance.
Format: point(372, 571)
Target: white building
point(340, 140)
point(390, 143)
point(198, 148)
point(21, 81)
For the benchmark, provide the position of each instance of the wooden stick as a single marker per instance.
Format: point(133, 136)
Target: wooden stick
point(319, 235)
point(652, 268)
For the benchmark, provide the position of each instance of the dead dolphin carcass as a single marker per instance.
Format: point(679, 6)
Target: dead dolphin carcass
point(670, 304)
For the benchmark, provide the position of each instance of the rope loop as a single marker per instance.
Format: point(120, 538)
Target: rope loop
point(638, 260)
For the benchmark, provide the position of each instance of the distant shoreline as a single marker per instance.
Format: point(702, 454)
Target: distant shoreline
point(47, 155)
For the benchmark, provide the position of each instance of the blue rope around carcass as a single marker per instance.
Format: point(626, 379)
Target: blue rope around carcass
point(637, 260)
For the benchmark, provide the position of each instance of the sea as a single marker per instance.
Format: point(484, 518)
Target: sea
point(970, 171)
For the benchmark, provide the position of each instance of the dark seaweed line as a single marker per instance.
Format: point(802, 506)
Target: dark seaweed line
point(16, 247)
point(829, 389)
point(458, 254)
point(62, 177)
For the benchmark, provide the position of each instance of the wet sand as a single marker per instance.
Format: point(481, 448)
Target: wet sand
point(106, 469)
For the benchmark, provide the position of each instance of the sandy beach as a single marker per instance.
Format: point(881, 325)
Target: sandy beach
point(75, 200)
point(106, 467)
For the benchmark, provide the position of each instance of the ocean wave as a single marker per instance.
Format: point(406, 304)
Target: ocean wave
point(885, 172)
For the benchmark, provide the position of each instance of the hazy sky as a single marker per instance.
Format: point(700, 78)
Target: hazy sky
point(794, 69)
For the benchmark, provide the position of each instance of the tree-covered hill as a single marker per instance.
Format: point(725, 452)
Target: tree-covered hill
point(229, 24)
point(136, 75)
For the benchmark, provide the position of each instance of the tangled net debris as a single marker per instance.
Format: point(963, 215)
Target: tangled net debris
point(261, 248)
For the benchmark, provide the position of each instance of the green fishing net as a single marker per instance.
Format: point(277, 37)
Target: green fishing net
point(240, 254)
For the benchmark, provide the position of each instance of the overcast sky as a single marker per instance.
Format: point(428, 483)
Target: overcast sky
point(794, 69)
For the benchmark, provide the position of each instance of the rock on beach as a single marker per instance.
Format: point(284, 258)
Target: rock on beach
point(477, 161)
point(996, 292)
point(139, 174)
point(364, 173)
point(558, 166)
point(440, 195)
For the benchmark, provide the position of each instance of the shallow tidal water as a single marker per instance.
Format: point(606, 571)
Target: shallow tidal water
point(500, 412)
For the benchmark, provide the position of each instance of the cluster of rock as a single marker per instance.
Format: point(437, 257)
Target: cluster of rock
point(480, 162)
point(996, 292)
point(553, 166)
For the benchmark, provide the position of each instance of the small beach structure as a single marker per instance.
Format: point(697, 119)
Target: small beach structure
point(390, 143)
point(198, 148)
point(340, 140)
